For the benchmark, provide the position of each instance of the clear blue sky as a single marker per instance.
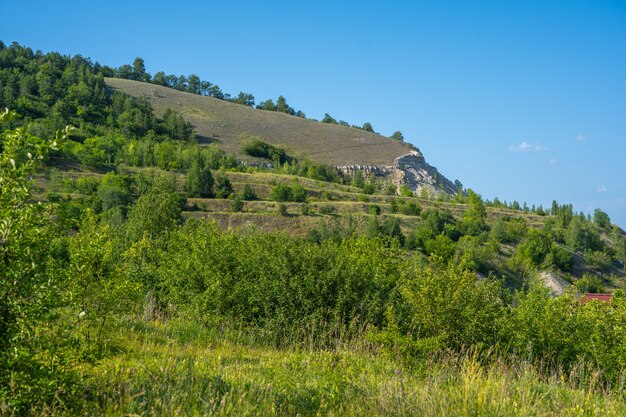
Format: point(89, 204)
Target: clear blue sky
point(520, 100)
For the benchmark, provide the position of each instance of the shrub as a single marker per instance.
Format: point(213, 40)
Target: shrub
point(223, 187)
point(199, 181)
point(237, 204)
point(248, 193)
point(261, 149)
point(373, 209)
point(598, 260)
point(589, 283)
point(281, 192)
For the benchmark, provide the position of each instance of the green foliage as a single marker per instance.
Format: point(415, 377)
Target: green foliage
point(410, 208)
point(199, 181)
point(582, 236)
point(248, 193)
point(563, 331)
point(535, 247)
point(282, 209)
point(373, 209)
point(114, 191)
point(283, 192)
point(442, 307)
point(509, 230)
point(261, 149)
point(237, 204)
point(405, 191)
point(223, 186)
point(29, 279)
point(598, 260)
point(175, 126)
point(367, 126)
point(397, 135)
point(328, 119)
point(602, 219)
point(393, 206)
point(267, 279)
point(560, 258)
point(98, 290)
point(474, 219)
point(155, 212)
point(589, 283)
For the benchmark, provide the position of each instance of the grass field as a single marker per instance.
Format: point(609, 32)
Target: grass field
point(173, 368)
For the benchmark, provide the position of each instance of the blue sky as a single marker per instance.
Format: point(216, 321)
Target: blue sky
point(518, 100)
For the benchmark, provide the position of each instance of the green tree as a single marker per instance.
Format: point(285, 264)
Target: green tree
point(602, 219)
point(397, 135)
point(160, 79)
point(329, 119)
point(223, 186)
point(281, 192)
point(267, 105)
point(155, 212)
point(474, 219)
point(199, 181)
point(367, 126)
point(298, 193)
point(237, 205)
point(246, 99)
point(139, 70)
point(248, 193)
point(29, 277)
point(114, 191)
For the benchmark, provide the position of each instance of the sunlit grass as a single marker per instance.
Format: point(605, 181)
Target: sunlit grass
point(174, 369)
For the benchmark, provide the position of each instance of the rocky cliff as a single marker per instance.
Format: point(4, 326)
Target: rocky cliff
point(410, 170)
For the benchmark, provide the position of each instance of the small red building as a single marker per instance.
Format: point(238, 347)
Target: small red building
point(606, 297)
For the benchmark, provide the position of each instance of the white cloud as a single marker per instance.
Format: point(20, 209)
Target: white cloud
point(552, 162)
point(527, 147)
point(581, 138)
point(602, 189)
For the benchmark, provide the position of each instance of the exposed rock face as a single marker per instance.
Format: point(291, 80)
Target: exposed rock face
point(410, 170)
point(554, 283)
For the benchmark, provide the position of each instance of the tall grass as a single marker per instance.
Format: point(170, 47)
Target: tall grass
point(175, 368)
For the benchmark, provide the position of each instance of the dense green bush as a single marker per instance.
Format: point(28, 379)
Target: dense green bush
point(284, 192)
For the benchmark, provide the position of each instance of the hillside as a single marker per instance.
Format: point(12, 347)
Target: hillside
point(231, 125)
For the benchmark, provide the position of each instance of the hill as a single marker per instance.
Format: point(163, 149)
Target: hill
point(231, 125)
point(144, 273)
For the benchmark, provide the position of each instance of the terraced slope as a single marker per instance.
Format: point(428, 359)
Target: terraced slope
point(231, 125)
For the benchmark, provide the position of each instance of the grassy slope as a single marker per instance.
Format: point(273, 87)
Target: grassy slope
point(230, 125)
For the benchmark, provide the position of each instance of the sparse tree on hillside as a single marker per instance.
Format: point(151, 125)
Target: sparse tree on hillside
point(199, 181)
point(367, 126)
point(193, 84)
point(159, 78)
point(125, 71)
point(474, 219)
point(329, 119)
point(267, 105)
point(244, 98)
point(139, 69)
point(397, 135)
point(602, 219)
